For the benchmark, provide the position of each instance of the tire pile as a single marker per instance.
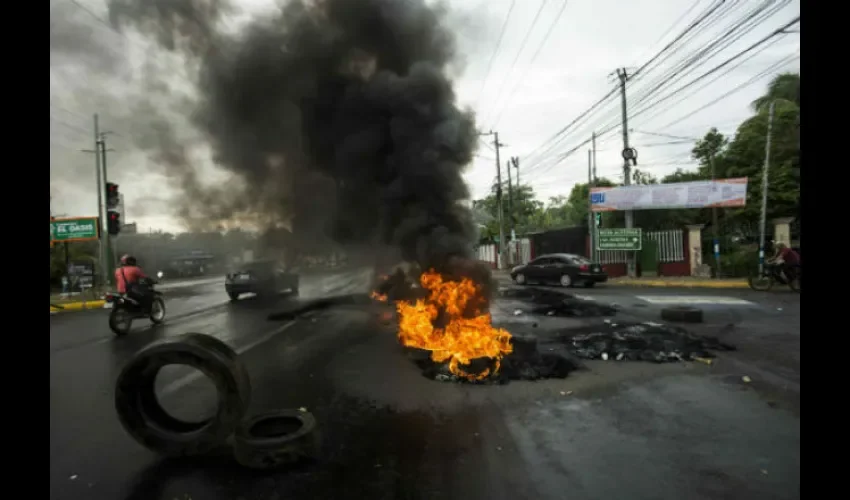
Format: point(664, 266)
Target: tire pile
point(526, 362)
point(641, 342)
point(264, 441)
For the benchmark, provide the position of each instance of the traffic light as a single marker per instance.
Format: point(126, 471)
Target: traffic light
point(112, 196)
point(113, 222)
point(597, 219)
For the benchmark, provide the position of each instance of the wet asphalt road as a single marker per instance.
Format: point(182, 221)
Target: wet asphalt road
point(617, 430)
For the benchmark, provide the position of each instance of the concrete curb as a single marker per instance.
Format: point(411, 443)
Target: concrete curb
point(79, 306)
point(680, 284)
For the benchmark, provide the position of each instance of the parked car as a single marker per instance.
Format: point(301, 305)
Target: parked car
point(263, 278)
point(560, 268)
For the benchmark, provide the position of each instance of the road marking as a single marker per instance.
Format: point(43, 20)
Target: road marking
point(188, 379)
point(690, 299)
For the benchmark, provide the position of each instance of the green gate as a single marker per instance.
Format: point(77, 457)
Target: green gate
point(648, 257)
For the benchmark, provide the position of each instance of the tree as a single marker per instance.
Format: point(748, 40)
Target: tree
point(643, 178)
point(525, 209)
point(784, 87)
point(745, 158)
point(579, 200)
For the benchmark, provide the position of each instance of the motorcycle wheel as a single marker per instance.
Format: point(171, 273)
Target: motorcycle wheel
point(760, 283)
point(157, 314)
point(795, 284)
point(120, 321)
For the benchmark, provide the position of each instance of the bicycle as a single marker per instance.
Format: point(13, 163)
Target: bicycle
point(771, 275)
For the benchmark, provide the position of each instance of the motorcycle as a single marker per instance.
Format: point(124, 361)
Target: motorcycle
point(771, 275)
point(125, 310)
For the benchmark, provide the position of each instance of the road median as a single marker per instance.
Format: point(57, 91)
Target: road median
point(77, 306)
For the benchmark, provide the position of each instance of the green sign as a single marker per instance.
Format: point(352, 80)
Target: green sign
point(73, 229)
point(619, 239)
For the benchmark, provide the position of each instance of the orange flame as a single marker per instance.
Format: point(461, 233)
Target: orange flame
point(379, 297)
point(462, 338)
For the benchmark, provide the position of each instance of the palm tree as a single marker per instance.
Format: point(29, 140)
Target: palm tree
point(784, 87)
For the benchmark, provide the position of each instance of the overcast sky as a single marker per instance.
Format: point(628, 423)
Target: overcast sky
point(534, 86)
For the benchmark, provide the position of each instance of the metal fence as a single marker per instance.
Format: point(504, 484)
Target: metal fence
point(671, 244)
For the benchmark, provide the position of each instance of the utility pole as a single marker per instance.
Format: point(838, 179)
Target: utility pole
point(594, 253)
point(511, 215)
point(101, 219)
point(590, 223)
point(627, 177)
point(714, 228)
point(515, 161)
point(764, 183)
point(502, 241)
point(511, 202)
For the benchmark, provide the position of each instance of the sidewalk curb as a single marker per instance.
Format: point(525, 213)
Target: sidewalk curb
point(79, 306)
point(680, 284)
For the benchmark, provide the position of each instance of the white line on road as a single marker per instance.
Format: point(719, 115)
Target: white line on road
point(690, 299)
point(188, 379)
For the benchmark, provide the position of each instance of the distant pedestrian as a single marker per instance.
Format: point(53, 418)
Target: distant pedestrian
point(65, 285)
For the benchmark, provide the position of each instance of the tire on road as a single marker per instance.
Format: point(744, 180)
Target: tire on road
point(142, 416)
point(682, 314)
point(519, 279)
point(276, 439)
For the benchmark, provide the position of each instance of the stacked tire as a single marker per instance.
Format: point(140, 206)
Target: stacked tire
point(262, 441)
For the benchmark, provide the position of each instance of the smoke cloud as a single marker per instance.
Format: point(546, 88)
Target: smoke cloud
point(334, 116)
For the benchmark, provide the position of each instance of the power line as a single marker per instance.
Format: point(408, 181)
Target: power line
point(695, 59)
point(557, 138)
point(720, 66)
point(676, 22)
point(737, 88)
point(683, 87)
point(734, 33)
point(531, 64)
point(521, 48)
point(495, 52)
point(716, 78)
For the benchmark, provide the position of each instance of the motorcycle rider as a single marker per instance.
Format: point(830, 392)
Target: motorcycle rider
point(787, 259)
point(127, 277)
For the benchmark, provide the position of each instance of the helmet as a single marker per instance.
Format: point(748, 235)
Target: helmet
point(128, 260)
point(780, 245)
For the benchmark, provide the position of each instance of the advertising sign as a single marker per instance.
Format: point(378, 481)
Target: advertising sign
point(699, 194)
point(73, 229)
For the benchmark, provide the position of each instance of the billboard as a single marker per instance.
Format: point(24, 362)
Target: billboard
point(699, 194)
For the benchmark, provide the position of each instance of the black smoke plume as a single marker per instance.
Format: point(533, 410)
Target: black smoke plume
point(334, 115)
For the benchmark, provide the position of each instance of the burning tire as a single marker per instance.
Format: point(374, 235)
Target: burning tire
point(142, 416)
point(276, 439)
point(682, 314)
